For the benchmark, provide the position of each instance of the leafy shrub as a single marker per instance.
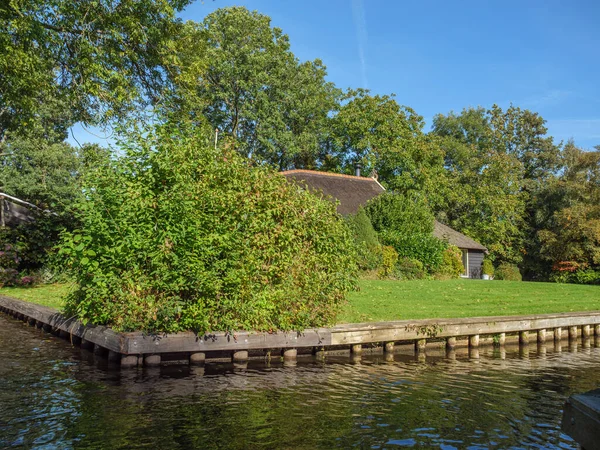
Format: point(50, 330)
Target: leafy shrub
point(580, 276)
point(452, 266)
point(389, 258)
point(368, 250)
point(487, 267)
point(508, 272)
point(401, 214)
point(176, 235)
point(409, 269)
point(9, 262)
point(424, 247)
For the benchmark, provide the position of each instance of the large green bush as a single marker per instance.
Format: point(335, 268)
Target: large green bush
point(178, 236)
point(452, 266)
point(424, 247)
point(508, 272)
point(368, 248)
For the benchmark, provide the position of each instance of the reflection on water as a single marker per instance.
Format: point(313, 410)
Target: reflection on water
point(52, 395)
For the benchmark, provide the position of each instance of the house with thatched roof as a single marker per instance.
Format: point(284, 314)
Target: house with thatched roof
point(353, 191)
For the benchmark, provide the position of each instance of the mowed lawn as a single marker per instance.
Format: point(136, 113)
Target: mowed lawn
point(420, 299)
point(430, 299)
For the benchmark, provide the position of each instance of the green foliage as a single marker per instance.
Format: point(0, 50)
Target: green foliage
point(487, 267)
point(176, 235)
point(100, 57)
point(452, 265)
point(424, 247)
point(402, 214)
point(409, 269)
point(240, 74)
point(368, 249)
point(389, 258)
point(508, 272)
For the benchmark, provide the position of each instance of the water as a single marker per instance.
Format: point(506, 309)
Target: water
point(55, 396)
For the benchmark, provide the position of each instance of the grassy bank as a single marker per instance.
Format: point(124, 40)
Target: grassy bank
point(420, 299)
point(426, 299)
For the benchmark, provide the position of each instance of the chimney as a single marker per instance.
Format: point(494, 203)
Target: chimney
point(357, 168)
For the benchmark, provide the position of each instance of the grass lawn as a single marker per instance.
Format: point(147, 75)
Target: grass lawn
point(420, 299)
point(425, 299)
point(46, 294)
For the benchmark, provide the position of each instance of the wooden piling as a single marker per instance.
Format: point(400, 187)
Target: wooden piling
point(585, 331)
point(87, 345)
point(290, 354)
point(558, 334)
point(388, 347)
point(450, 343)
point(420, 345)
point(501, 339)
point(541, 336)
point(573, 333)
point(197, 359)
point(129, 361)
point(597, 330)
point(523, 337)
point(240, 355)
point(152, 360)
point(474, 341)
point(356, 349)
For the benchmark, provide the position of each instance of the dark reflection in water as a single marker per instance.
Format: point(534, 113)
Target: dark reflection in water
point(54, 396)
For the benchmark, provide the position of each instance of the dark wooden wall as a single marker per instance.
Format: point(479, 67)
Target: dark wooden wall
point(475, 263)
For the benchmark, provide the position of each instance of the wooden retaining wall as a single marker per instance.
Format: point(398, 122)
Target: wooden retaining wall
point(132, 349)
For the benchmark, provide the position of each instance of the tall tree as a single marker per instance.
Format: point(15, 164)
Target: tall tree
point(240, 74)
point(103, 58)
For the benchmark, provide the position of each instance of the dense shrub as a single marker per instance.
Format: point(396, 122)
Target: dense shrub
point(424, 247)
point(409, 269)
point(401, 214)
point(176, 235)
point(487, 267)
point(509, 272)
point(389, 258)
point(368, 249)
point(580, 276)
point(452, 266)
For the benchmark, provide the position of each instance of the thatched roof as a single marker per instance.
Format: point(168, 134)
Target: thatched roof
point(349, 190)
point(453, 237)
point(353, 192)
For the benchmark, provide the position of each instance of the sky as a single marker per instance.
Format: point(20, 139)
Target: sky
point(442, 56)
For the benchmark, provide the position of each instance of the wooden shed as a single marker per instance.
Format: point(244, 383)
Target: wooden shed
point(354, 191)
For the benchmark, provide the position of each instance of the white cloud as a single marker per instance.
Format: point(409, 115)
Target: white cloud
point(360, 24)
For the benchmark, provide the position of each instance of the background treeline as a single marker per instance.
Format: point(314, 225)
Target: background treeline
point(494, 174)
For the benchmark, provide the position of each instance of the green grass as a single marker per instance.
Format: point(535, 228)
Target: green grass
point(46, 294)
point(422, 299)
point(427, 299)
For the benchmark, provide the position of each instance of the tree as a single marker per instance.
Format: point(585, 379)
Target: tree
point(386, 137)
point(103, 58)
point(485, 197)
point(238, 72)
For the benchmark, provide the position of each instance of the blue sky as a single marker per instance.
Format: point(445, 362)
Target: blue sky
point(439, 56)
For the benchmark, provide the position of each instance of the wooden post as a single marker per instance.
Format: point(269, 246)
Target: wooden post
point(572, 333)
point(420, 345)
point(597, 330)
point(99, 350)
point(585, 331)
point(523, 337)
point(473, 352)
point(152, 360)
point(114, 356)
point(558, 334)
point(388, 347)
point(501, 339)
point(557, 346)
point(450, 343)
point(290, 354)
point(240, 355)
point(356, 349)
point(129, 360)
point(541, 336)
point(474, 341)
point(197, 359)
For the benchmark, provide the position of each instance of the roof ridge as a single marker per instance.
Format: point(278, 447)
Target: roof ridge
point(332, 174)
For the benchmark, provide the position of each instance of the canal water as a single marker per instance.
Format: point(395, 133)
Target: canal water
point(56, 396)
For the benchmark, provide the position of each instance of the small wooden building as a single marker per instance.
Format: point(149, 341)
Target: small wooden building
point(354, 191)
point(14, 211)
